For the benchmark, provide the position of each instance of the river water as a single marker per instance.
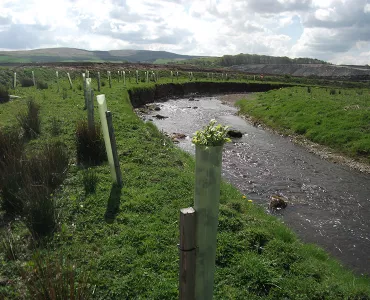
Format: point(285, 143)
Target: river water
point(329, 204)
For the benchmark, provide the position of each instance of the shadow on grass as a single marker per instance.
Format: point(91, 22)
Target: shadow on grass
point(113, 203)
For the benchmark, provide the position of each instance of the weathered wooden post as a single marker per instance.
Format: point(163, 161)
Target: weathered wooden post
point(57, 76)
point(119, 75)
point(137, 77)
point(147, 77)
point(15, 80)
point(124, 78)
point(87, 74)
point(129, 76)
point(89, 93)
point(112, 137)
point(172, 76)
point(33, 79)
point(99, 81)
point(70, 81)
point(187, 249)
point(103, 119)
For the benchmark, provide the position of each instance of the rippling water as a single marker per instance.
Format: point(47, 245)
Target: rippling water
point(329, 204)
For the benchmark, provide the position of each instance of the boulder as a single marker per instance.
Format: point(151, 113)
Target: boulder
point(234, 133)
point(277, 202)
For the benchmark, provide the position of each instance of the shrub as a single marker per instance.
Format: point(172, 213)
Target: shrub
point(332, 92)
point(26, 82)
point(42, 85)
point(30, 120)
point(90, 180)
point(48, 278)
point(309, 89)
point(103, 83)
point(4, 94)
point(89, 144)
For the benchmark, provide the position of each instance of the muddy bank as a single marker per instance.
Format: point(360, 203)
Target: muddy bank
point(161, 92)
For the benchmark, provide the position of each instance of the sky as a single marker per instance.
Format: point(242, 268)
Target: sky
point(337, 31)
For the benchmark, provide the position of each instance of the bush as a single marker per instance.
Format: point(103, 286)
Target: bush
point(4, 94)
point(48, 278)
point(309, 89)
point(30, 121)
point(90, 180)
point(26, 82)
point(42, 85)
point(332, 92)
point(89, 144)
point(103, 83)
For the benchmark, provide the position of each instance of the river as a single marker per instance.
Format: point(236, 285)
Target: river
point(329, 204)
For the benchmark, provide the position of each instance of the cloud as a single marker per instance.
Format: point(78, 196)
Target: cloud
point(325, 29)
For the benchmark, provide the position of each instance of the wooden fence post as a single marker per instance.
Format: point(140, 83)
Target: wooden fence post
point(70, 81)
point(15, 80)
point(99, 81)
point(187, 249)
point(112, 137)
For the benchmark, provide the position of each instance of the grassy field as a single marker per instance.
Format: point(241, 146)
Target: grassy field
point(338, 118)
point(122, 244)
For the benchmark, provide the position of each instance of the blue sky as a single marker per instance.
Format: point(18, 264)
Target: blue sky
point(334, 30)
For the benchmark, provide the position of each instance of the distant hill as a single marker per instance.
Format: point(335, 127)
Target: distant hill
point(79, 55)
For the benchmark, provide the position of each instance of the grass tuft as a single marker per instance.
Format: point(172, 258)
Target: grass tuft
point(90, 147)
point(30, 120)
point(90, 180)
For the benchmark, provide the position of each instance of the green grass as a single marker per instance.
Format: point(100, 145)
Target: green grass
point(338, 118)
point(126, 240)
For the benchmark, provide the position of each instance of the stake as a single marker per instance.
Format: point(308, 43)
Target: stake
point(33, 79)
point(124, 78)
point(137, 77)
point(89, 94)
point(70, 81)
point(87, 74)
point(112, 137)
point(15, 80)
point(99, 81)
point(84, 87)
point(102, 109)
point(110, 79)
point(57, 75)
point(119, 74)
point(187, 249)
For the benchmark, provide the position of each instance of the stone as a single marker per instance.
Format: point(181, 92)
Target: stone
point(234, 133)
point(160, 117)
point(157, 108)
point(277, 202)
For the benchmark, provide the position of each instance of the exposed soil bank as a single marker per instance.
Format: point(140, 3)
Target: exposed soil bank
point(162, 92)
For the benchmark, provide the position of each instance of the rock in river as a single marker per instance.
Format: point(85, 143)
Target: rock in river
point(234, 133)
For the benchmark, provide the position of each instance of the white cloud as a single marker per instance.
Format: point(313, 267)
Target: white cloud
point(331, 29)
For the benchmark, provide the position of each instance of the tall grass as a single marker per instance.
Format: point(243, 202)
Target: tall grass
point(4, 94)
point(11, 151)
point(30, 120)
point(55, 279)
point(90, 147)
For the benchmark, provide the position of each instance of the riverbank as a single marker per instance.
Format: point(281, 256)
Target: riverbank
point(125, 242)
point(330, 123)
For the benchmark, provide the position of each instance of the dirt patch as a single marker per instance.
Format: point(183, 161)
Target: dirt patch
point(233, 98)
